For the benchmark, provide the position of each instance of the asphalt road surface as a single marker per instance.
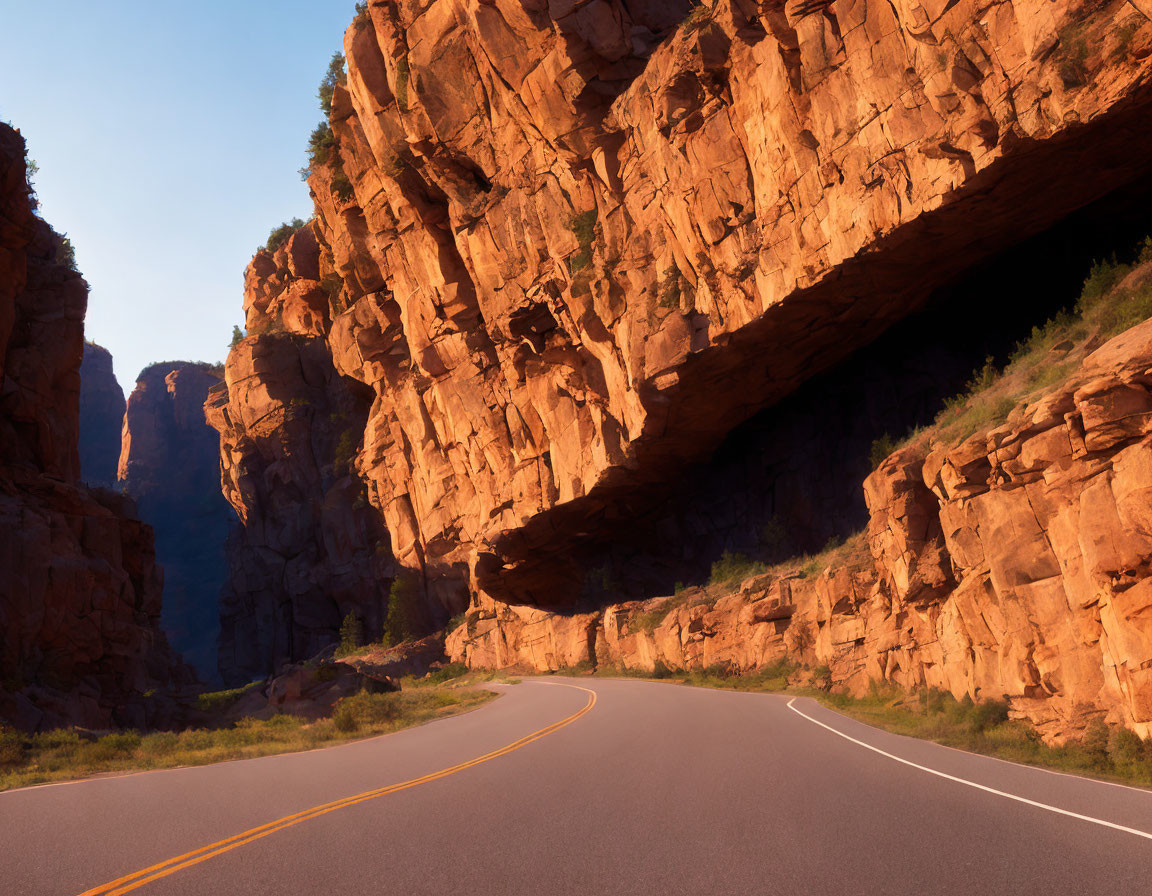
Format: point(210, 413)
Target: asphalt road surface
point(591, 787)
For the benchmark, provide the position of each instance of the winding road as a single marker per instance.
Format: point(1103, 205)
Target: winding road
point(590, 786)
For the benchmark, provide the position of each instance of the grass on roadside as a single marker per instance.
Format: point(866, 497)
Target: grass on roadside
point(1114, 753)
point(67, 754)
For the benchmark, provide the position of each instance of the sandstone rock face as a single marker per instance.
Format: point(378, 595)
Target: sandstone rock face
point(80, 592)
point(311, 548)
point(101, 417)
point(571, 246)
point(170, 463)
point(1015, 564)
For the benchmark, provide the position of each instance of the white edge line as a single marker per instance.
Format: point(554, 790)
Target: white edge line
point(992, 790)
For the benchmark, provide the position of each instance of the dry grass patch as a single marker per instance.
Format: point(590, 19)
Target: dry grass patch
point(69, 754)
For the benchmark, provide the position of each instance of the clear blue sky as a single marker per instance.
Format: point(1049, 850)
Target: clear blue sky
point(168, 136)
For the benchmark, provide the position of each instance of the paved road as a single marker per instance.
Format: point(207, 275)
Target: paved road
point(654, 789)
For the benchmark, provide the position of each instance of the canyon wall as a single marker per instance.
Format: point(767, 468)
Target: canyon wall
point(310, 549)
point(571, 247)
point(1015, 564)
point(80, 594)
point(101, 416)
point(562, 251)
point(169, 463)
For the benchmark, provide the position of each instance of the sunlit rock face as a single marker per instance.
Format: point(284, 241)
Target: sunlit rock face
point(567, 250)
point(577, 246)
point(170, 463)
point(80, 592)
point(101, 417)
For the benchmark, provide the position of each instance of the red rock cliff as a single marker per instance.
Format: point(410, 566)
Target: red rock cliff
point(80, 593)
point(578, 244)
point(311, 549)
point(570, 247)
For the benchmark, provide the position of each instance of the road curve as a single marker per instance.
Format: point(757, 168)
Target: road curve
point(590, 786)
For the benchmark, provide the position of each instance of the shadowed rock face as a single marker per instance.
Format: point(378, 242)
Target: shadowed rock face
point(311, 549)
point(101, 417)
point(80, 590)
point(170, 463)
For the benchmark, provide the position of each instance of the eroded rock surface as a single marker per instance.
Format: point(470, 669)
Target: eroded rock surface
point(170, 463)
point(311, 549)
point(80, 592)
point(574, 246)
point(1015, 564)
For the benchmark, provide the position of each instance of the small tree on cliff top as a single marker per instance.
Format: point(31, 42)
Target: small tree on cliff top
point(237, 336)
point(333, 77)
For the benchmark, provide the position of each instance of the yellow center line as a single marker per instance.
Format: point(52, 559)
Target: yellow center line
point(145, 876)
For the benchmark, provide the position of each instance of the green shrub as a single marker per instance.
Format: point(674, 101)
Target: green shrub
point(344, 456)
point(237, 336)
point(1101, 279)
point(583, 227)
point(114, 746)
point(698, 16)
point(351, 635)
point(446, 673)
point(217, 700)
point(342, 186)
point(333, 77)
point(732, 567)
point(403, 73)
point(321, 146)
point(1094, 743)
point(11, 747)
point(280, 235)
point(345, 719)
point(403, 609)
point(65, 252)
point(881, 449)
point(1125, 748)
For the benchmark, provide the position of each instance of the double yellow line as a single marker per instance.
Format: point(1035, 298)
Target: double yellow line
point(145, 876)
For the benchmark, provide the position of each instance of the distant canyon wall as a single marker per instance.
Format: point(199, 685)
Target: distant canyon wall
point(169, 463)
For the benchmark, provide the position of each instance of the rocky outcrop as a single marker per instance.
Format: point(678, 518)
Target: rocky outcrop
point(101, 416)
point(568, 249)
point(80, 593)
point(170, 463)
point(571, 247)
point(311, 549)
point(1015, 564)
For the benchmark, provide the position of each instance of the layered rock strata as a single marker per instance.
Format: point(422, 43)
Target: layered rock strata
point(80, 591)
point(571, 247)
point(101, 417)
point(311, 549)
point(1012, 565)
point(170, 463)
